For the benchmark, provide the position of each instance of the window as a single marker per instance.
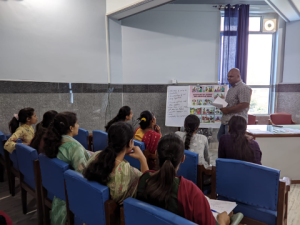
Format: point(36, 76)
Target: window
point(259, 72)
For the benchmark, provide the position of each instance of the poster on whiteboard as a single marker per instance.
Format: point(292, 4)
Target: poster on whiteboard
point(195, 99)
point(200, 99)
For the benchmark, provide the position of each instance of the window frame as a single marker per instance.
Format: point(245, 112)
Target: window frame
point(271, 85)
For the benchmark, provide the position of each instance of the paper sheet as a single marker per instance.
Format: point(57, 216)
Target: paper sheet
point(221, 206)
point(219, 103)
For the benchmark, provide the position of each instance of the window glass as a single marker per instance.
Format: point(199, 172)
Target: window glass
point(254, 24)
point(259, 59)
point(259, 101)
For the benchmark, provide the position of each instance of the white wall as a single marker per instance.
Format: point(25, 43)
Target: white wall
point(291, 71)
point(172, 41)
point(53, 40)
point(115, 51)
point(114, 5)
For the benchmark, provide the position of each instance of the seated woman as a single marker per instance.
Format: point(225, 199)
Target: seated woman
point(125, 114)
point(149, 133)
point(236, 145)
point(194, 142)
point(176, 194)
point(59, 143)
point(108, 167)
point(41, 129)
point(26, 117)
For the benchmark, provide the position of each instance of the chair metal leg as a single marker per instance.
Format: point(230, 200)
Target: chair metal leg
point(8, 171)
point(1, 173)
point(24, 199)
point(13, 184)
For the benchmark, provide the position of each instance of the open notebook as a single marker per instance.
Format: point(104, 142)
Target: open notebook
point(224, 206)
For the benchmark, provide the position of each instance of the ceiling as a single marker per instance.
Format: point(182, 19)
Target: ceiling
point(220, 2)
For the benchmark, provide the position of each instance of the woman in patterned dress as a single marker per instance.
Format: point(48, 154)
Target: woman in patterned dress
point(26, 117)
point(59, 143)
point(150, 134)
point(108, 167)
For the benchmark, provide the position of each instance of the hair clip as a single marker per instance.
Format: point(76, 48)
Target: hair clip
point(143, 119)
point(61, 123)
point(16, 116)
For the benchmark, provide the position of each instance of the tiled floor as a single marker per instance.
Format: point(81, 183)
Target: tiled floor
point(12, 206)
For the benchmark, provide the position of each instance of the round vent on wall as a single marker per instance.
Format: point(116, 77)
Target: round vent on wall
point(270, 25)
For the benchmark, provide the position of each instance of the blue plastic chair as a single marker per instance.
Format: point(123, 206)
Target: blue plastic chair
point(188, 169)
point(256, 189)
point(82, 137)
point(2, 157)
point(138, 212)
point(89, 200)
point(52, 172)
point(99, 140)
point(135, 162)
point(2, 138)
point(30, 178)
point(12, 166)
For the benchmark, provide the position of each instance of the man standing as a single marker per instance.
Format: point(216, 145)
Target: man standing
point(238, 99)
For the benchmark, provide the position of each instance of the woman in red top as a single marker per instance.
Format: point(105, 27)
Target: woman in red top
point(176, 194)
point(149, 133)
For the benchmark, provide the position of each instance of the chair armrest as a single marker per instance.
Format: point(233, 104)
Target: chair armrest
point(207, 171)
point(256, 122)
point(122, 216)
point(293, 122)
point(270, 122)
point(112, 212)
point(287, 182)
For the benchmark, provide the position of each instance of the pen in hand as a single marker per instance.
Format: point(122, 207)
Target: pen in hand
point(214, 211)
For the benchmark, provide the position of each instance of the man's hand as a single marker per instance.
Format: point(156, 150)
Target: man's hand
point(225, 110)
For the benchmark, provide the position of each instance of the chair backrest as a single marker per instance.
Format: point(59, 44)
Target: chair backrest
point(2, 138)
point(138, 212)
point(281, 118)
point(13, 155)
point(99, 140)
point(26, 156)
point(135, 162)
point(247, 183)
point(52, 171)
point(188, 169)
point(86, 198)
point(251, 119)
point(82, 137)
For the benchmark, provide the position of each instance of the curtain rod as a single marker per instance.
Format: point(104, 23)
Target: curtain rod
point(222, 7)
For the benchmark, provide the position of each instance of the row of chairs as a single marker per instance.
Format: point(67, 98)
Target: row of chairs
point(256, 200)
point(264, 208)
point(275, 119)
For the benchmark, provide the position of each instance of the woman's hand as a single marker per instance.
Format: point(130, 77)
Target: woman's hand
point(137, 153)
point(223, 218)
point(157, 129)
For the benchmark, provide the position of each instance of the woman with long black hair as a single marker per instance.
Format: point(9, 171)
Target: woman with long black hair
point(41, 129)
point(194, 142)
point(108, 167)
point(236, 145)
point(164, 189)
point(20, 127)
point(125, 114)
point(59, 143)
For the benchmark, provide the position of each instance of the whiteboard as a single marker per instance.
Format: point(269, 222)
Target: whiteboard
point(185, 100)
point(177, 105)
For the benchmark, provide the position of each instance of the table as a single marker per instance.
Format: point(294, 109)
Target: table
point(280, 148)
